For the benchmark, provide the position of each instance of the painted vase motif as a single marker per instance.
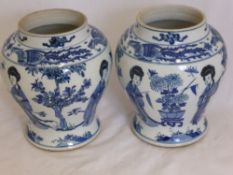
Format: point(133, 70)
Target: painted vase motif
point(170, 63)
point(57, 69)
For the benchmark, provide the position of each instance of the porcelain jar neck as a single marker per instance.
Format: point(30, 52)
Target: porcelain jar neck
point(53, 28)
point(171, 25)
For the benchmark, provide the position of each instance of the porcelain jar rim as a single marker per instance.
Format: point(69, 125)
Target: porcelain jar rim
point(60, 15)
point(173, 12)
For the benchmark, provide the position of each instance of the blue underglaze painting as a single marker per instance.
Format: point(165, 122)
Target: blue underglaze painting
point(170, 37)
point(137, 126)
point(90, 110)
point(208, 74)
point(136, 96)
point(119, 72)
point(30, 56)
point(97, 94)
point(71, 140)
point(22, 100)
point(34, 137)
point(119, 53)
point(56, 41)
point(179, 137)
point(192, 71)
point(171, 53)
point(59, 99)
point(172, 99)
point(97, 39)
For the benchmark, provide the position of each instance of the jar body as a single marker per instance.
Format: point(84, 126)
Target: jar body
point(58, 81)
point(169, 77)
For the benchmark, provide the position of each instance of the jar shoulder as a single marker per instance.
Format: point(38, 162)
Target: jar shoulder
point(136, 47)
point(55, 50)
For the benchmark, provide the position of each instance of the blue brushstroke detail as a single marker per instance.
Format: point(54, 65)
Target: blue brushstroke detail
point(137, 98)
point(172, 54)
point(119, 72)
point(57, 99)
point(210, 89)
point(34, 137)
point(224, 58)
point(137, 126)
point(203, 101)
point(171, 99)
point(35, 56)
point(70, 139)
point(97, 39)
point(31, 57)
point(92, 103)
point(23, 101)
point(223, 50)
point(152, 72)
point(56, 41)
point(179, 137)
point(119, 53)
point(194, 89)
point(22, 38)
point(191, 71)
point(170, 37)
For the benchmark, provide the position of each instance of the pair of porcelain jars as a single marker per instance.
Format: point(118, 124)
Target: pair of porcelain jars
point(169, 62)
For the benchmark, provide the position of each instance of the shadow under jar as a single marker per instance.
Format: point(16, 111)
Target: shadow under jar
point(170, 63)
point(57, 67)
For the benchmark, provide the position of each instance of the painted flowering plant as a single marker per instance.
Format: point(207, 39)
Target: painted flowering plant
point(171, 99)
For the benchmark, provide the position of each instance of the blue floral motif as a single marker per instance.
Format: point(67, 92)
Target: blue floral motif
point(171, 99)
point(71, 140)
point(170, 37)
point(34, 137)
point(56, 41)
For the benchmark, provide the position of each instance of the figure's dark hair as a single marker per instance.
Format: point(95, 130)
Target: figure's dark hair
point(12, 71)
point(104, 65)
point(136, 70)
point(208, 70)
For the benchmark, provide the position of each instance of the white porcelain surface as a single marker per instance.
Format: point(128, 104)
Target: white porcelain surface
point(170, 74)
point(58, 79)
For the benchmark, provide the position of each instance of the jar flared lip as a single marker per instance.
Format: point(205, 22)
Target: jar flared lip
point(50, 17)
point(158, 12)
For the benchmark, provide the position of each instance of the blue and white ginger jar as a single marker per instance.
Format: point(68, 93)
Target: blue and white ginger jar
point(170, 63)
point(56, 67)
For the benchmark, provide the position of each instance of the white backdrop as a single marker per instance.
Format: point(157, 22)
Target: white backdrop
point(116, 150)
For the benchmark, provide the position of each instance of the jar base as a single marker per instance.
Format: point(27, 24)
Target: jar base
point(178, 140)
point(63, 140)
